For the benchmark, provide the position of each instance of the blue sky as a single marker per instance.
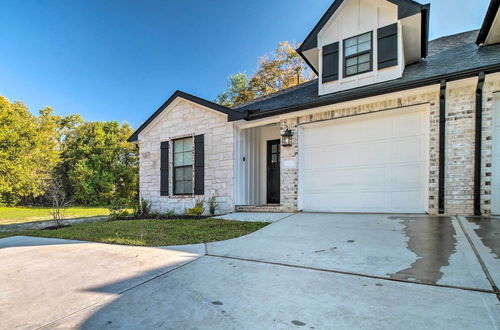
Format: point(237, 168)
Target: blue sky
point(121, 59)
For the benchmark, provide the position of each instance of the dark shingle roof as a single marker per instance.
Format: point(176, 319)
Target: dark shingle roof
point(448, 57)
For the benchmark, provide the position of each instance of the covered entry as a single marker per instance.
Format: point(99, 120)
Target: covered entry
point(258, 165)
point(367, 163)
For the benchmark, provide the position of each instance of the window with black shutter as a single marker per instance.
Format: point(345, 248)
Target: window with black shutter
point(183, 166)
point(164, 168)
point(330, 65)
point(199, 164)
point(387, 46)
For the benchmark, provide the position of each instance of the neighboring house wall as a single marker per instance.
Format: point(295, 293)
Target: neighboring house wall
point(182, 119)
point(459, 167)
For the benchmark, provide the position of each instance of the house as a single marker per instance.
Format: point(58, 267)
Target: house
point(393, 123)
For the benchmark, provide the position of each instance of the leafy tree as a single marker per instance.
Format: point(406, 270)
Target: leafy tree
point(281, 69)
point(27, 151)
point(99, 163)
point(237, 91)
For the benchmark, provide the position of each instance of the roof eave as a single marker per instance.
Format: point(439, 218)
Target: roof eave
point(360, 94)
point(488, 21)
point(232, 115)
point(405, 8)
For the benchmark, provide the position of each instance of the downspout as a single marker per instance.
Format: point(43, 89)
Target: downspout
point(442, 144)
point(477, 156)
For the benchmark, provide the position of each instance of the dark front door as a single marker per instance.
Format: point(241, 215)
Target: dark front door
point(273, 171)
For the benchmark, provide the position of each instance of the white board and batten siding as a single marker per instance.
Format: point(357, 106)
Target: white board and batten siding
point(353, 18)
point(495, 162)
point(369, 163)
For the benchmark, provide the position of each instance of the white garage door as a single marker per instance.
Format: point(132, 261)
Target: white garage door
point(367, 163)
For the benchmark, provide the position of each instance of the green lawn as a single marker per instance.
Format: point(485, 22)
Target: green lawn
point(10, 215)
point(151, 232)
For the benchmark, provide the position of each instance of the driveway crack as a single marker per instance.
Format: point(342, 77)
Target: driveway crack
point(479, 259)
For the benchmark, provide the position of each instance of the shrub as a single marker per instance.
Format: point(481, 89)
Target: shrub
point(197, 210)
point(118, 208)
point(212, 204)
point(142, 208)
point(168, 215)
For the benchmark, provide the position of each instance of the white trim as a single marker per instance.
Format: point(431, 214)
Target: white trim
point(171, 107)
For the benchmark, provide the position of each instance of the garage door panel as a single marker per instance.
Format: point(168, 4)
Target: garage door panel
point(376, 130)
point(328, 156)
point(404, 201)
point(348, 202)
point(374, 163)
point(409, 176)
point(372, 153)
point(407, 149)
point(346, 179)
point(409, 124)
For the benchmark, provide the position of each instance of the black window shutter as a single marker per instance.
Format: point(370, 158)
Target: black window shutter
point(330, 62)
point(164, 169)
point(387, 46)
point(199, 164)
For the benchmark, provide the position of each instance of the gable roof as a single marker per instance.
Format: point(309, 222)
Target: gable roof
point(491, 13)
point(452, 57)
point(405, 8)
point(231, 114)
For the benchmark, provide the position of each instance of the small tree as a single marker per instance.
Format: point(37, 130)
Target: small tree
point(212, 204)
point(60, 203)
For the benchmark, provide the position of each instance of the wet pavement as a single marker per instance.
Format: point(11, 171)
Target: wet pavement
point(488, 231)
point(433, 240)
point(484, 234)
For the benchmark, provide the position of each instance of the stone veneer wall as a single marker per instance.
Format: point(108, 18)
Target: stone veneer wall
point(183, 120)
point(459, 167)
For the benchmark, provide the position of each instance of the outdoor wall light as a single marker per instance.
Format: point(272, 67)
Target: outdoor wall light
point(286, 138)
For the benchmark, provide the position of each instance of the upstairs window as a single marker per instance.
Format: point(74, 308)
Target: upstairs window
point(183, 166)
point(358, 54)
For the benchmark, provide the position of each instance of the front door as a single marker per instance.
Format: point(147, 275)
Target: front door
point(273, 172)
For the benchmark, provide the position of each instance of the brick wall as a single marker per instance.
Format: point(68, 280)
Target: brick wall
point(188, 119)
point(459, 164)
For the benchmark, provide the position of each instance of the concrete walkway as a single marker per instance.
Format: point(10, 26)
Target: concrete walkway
point(14, 227)
point(310, 271)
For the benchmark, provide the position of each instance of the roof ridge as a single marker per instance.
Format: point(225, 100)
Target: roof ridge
point(454, 34)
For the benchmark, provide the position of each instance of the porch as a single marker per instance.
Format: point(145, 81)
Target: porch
point(257, 169)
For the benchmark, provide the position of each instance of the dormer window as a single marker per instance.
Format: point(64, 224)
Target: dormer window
point(358, 54)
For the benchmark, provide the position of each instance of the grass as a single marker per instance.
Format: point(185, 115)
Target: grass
point(9, 215)
point(151, 232)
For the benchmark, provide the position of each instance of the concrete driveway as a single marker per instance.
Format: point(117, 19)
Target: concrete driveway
point(311, 271)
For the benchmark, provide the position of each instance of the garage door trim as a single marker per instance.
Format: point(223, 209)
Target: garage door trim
point(387, 113)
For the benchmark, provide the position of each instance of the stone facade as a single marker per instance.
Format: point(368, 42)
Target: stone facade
point(184, 119)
